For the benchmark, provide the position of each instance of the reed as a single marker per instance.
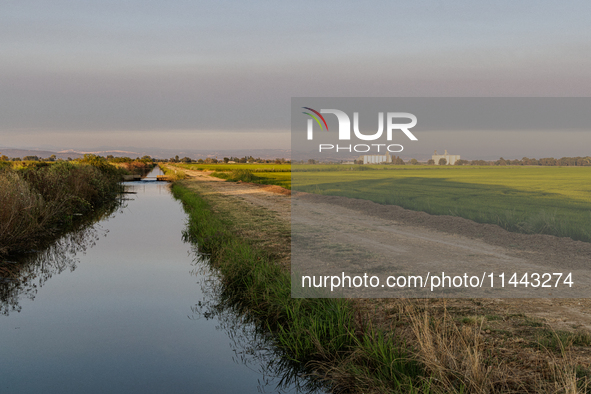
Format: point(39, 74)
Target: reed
point(37, 202)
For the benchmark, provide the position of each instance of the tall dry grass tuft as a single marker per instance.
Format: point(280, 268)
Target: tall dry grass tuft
point(563, 372)
point(454, 356)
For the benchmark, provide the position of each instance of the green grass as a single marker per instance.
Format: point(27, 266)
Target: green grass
point(282, 179)
point(266, 174)
point(558, 341)
point(255, 167)
point(548, 200)
point(320, 331)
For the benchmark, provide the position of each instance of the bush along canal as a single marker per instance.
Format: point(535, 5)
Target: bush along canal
point(328, 339)
point(126, 305)
point(39, 200)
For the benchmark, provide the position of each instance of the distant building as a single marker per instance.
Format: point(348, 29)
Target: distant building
point(451, 159)
point(376, 159)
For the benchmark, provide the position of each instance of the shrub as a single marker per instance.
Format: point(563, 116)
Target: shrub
point(37, 201)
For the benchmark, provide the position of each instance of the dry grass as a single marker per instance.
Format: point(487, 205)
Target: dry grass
point(38, 202)
point(461, 354)
point(455, 355)
point(23, 211)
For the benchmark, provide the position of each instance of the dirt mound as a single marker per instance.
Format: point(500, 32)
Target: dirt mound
point(550, 249)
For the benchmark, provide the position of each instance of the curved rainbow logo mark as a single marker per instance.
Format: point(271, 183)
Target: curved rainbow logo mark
point(315, 118)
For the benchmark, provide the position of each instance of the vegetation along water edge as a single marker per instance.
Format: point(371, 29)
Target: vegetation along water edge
point(326, 336)
point(40, 200)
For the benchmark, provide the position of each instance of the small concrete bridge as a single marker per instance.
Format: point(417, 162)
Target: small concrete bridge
point(160, 178)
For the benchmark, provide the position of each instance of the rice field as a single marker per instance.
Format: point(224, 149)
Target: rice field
point(255, 167)
point(548, 200)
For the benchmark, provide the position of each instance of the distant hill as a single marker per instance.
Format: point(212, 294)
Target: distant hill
point(154, 152)
point(39, 153)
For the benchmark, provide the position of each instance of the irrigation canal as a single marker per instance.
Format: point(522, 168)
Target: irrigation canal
point(125, 306)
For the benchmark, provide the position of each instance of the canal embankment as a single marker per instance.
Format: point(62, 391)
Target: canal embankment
point(329, 338)
point(377, 345)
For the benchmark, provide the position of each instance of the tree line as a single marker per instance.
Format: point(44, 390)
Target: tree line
point(148, 159)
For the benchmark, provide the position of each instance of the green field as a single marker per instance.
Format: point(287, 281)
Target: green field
point(257, 167)
point(266, 174)
point(549, 200)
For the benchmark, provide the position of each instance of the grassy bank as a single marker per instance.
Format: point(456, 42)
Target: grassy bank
point(39, 200)
point(546, 200)
point(329, 336)
point(172, 173)
point(376, 346)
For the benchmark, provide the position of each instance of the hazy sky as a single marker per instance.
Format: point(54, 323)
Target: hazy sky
point(214, 74)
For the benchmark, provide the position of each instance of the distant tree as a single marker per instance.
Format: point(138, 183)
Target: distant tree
point(31, 158)
point(110, 157)
point(121, 160)
point(242, 160)
point(226, 160)
point(460, 162)
point(414, 161)
point(176, 159)
point(200, 161)
point(442, 161)
point(311, 161)
point(52, 158)
point(4, 158)
point(186, 160)
point(431, 161)
point(398, 161)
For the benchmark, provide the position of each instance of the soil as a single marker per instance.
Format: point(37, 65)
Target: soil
point(273, 198)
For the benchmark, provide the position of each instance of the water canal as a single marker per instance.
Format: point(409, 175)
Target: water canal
point(125, 306)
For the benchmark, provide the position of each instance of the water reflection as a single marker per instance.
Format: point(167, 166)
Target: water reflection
point(251, 345)
point(118, 324)
point(23, 278)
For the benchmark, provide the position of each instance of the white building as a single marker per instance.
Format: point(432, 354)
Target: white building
point(376, 159)
point(451, 159)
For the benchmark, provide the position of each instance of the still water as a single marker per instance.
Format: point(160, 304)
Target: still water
point(125, 306)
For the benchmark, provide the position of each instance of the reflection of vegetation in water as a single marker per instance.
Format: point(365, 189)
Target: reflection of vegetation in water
point(22, 279)
point(251, 345)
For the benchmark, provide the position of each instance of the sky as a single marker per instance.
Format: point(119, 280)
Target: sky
point(221, 74)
